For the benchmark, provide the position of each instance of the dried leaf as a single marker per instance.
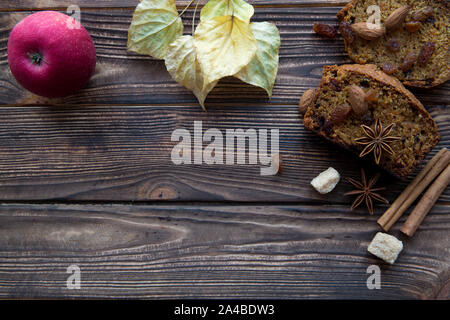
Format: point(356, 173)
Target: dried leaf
point(224, 46)
point(155, 25)
point(219, 8)
point(262, 70)
point(183, 66)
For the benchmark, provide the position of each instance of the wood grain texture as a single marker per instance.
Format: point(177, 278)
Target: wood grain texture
point(111, 142)
point(213, 252)
point(123, 153)
point(127, 78)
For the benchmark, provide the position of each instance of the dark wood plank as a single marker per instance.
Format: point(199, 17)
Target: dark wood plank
point(213, 252)
point(128, 78)
point(45, 4)
point(123, 153)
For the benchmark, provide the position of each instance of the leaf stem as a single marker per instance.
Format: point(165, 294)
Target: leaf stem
point(187, 7)
point(193, 18)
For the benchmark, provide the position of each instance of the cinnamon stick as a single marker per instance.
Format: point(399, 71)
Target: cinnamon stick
point(417, 186)
point(426, 203)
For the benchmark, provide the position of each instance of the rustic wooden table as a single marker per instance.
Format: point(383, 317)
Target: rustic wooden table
point(88, 180)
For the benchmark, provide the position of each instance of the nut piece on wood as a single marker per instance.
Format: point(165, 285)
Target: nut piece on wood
point(396, 18)
point(326, 181)
point(306, 100)
point(325, 30)
point(357, 99)
point(385, 247)
point(368, 31)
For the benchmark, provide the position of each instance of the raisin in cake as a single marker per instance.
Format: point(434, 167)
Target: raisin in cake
point(417, 52)
point(337, 118)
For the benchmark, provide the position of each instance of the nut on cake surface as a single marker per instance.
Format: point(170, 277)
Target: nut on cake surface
point(415, 45)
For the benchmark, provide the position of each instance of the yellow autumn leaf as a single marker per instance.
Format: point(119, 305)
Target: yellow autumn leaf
point(224, 46)
point(183, 66)
point(219, 8)
point(262, 70)
point(155, 25)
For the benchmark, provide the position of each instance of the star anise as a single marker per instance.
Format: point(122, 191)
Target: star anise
point(377, 140)
point(366, 192)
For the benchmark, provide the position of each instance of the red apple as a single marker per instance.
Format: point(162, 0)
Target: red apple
point(51, 54)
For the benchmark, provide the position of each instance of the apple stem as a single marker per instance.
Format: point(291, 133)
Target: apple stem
point(36, 58)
